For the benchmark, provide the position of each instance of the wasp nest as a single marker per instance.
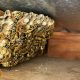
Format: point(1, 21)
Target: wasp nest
point(22, 36)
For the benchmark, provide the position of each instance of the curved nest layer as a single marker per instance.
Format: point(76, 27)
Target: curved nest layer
point(22, 36)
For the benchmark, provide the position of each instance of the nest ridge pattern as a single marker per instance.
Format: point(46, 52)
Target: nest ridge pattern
point(23, 36)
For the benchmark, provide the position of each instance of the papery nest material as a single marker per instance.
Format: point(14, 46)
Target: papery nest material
point(23, 36)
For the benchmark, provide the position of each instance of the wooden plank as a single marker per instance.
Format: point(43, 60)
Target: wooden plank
point(65, 45)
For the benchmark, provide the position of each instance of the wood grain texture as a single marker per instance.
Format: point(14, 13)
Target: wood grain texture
point(65, 45)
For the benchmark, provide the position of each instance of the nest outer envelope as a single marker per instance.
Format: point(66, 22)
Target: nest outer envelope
point(23, 36)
